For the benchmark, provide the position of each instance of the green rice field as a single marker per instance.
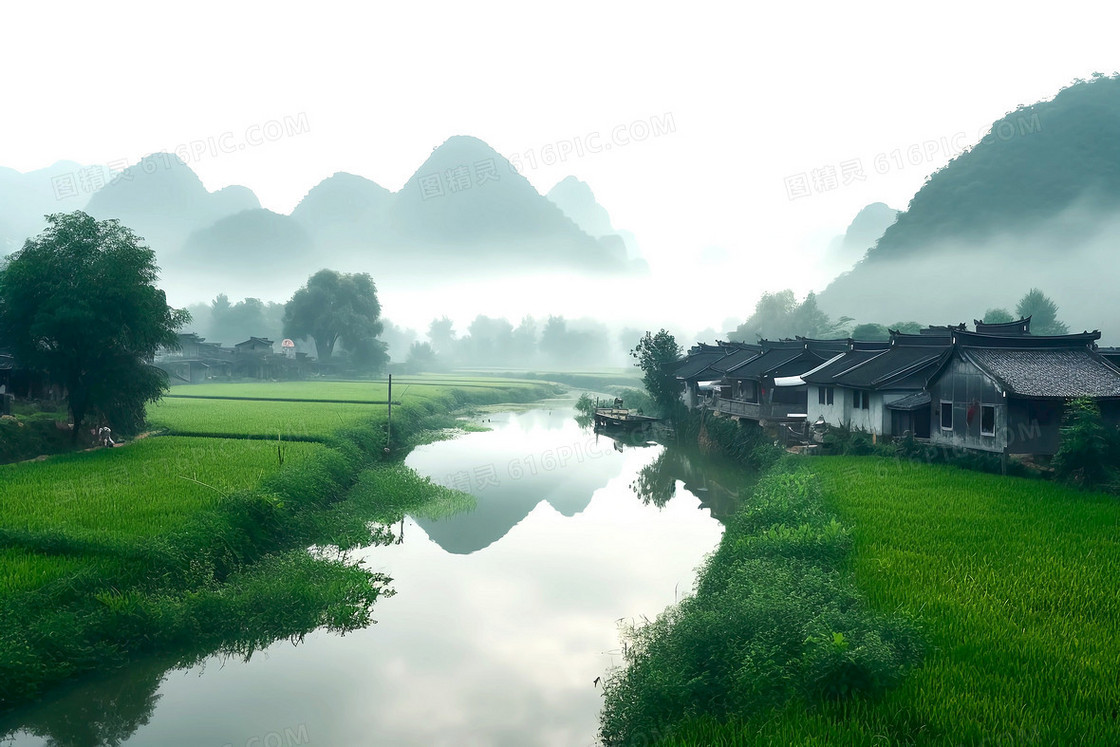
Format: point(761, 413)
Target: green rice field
point(1015, 587)
point(1016, 583)
point(261, 418)
point(427, 386)
point(155, 485)
point(142, 489)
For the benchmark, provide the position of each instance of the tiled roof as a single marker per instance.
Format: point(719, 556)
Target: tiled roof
point(1053, 372)
point(889, 368)
point(768, 361)
point(1018, 327)
point(736, 358)
point(913, 402)
point(826, 373)
point(697, 362)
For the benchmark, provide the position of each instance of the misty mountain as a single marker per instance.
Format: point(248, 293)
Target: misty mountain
point(254, 244)
point(163, 200)
point(464, 211)
point(862, 234)
point(345, 212)
point(1036, 203)
point(466, 203)
point(578, 202)
point(26, 197)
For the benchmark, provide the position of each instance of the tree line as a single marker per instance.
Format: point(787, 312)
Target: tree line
point(780, 316)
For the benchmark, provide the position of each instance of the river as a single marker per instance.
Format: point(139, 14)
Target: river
point(503, 620)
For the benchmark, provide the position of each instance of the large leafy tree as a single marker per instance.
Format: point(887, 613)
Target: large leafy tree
point(336, 307)
point(657, 356)
point(79, 302)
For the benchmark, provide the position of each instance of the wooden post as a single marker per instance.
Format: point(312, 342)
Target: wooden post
point(389, 431)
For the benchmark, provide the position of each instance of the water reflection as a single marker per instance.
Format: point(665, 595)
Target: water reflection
point(503, 618)
point(105, 711)
point(540, 456)
point(718, 486)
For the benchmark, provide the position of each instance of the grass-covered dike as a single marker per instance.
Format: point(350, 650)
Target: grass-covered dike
point(187, 544)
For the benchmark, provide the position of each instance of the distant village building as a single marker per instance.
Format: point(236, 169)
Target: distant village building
point(196, 361)
point(998, 389)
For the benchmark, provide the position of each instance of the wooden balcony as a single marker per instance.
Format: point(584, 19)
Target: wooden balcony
point(756, 410)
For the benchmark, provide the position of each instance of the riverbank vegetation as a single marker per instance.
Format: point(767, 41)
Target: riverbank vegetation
point(774, 620)
point(189, 544)
point(866, 600)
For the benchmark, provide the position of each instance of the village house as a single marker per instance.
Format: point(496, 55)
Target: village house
point(1005, 394)
point(705, 365)
point(196, 360)
point(766, 387)
point(876, 387)
point(999, 389)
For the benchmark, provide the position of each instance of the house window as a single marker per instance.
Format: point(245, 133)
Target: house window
point(862, 400)
point(946, 415)
point(820, 395)
point(829, 395)
point(987, 420)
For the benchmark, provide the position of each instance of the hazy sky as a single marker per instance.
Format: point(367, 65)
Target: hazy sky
point(757, 99)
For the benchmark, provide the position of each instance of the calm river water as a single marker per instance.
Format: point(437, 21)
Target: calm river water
point(503, 617)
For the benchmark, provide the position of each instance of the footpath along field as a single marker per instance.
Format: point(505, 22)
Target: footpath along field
point(108, 552)
point(1014, 583)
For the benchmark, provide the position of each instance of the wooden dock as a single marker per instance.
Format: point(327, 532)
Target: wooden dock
point(617, 417)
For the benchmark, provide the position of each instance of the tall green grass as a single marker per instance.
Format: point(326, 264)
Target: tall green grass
point(773, 621)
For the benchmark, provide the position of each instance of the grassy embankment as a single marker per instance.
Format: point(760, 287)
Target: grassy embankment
point(1012, 583)
point(188, 543)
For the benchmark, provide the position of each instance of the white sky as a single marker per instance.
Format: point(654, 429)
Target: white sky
point(755, 95)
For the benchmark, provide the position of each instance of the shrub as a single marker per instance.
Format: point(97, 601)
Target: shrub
point(1088, 446)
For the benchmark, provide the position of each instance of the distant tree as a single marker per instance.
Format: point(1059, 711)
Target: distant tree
point(421, 357)
point(489, 341)
point(368, 354)
point(524, 342)
point(250, 317)
point(997, 316)
point(870, 331)
point(335, 307)
point(779, 315)
point(657, 356)
point(397, 339)
point(1043, 313)
point(770, 318)
point(907, 328)
point(808, 320)
point(79, 302)
point(441, 334)
point(554, 339)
